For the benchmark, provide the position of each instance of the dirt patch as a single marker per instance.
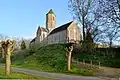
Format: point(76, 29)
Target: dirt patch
point(109, 73)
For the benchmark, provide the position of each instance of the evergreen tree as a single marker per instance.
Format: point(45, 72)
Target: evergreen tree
point(23, 45)
point(89, 41)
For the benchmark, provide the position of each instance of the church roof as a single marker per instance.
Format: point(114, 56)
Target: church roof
point(50, 12)
point(61, 28)
point(44, 29)
point(33, 40)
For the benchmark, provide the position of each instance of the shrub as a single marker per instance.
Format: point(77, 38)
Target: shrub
point(23, 45)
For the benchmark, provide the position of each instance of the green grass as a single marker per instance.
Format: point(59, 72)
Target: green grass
point(83, 72)
point(108, 60)
point(16, 75)
point(51, 58)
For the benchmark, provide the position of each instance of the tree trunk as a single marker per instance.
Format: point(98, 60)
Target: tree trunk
point(83, 23)
point(3, 53)
point(69, 58)
point(110, 44)
point(8, 63)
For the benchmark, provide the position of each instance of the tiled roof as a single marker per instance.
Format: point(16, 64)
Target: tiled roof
point(61, 28)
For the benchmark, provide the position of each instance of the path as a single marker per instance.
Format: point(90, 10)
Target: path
point(52, 75)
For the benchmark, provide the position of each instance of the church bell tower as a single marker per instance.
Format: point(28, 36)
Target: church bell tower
point(50, 20)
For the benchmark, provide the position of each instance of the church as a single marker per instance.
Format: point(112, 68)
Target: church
point(66, 33)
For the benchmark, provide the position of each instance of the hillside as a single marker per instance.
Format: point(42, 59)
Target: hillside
point(47, 58)
point(53, 58)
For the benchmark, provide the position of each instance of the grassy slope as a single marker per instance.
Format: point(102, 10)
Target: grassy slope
point(48, 58)
point(16, 75)
point(52, 58)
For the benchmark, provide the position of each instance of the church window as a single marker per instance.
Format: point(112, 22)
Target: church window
point(74, 34)
point(53, 18)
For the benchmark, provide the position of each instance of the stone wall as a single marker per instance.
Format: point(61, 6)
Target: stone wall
point(73, 33)
point(41, 37)
point(59, 37)
point(50, 22)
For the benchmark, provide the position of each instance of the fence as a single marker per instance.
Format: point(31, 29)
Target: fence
point(88, 65)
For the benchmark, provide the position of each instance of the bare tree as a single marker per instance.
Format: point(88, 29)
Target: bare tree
point(110, 10)
point(81, 10)
point(8, 47)
point(3, 37)
point(69, 53)
point(112, 34)
point(87, 13)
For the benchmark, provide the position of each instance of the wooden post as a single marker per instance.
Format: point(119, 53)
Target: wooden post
point(83, 61)
point(77, 60)
point(91, 62)
point(99, 63)
point(72, 59)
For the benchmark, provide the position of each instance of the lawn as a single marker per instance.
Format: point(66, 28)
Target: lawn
point(16, 75)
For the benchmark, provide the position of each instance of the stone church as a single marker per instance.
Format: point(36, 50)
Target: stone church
point(66, 33)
